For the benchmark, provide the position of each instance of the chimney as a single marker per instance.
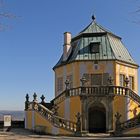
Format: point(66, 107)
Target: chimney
point(67, 45)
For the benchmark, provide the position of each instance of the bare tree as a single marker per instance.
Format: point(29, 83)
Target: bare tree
point(4, 15)
point(135, 14)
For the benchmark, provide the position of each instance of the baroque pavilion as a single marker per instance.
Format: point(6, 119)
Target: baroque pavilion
point(96, 88)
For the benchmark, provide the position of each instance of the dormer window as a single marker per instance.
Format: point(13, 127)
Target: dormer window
point(94, 47)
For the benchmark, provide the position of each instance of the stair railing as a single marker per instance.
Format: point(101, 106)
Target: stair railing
point(53, 119)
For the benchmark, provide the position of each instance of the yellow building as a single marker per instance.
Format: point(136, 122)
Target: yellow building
point(96, 88)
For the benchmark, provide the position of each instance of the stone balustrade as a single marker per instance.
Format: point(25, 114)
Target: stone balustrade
point(57, 121)
point(122, 127)
point(50, 116)
point(97, 91)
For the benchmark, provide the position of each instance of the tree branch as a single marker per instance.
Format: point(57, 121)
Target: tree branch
point(7, 15)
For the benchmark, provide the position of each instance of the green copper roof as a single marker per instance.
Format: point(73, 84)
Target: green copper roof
point(111, 46)
point(93, 27)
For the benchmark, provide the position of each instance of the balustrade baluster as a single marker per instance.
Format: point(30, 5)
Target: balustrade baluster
point(119, 90)
point(122, 91)
point(55, 120)
point(93, 90)
point(90, 90)
point(68, 125)
point(64, 123)
point(71, 126)
point(87, 90)
point(70, 92)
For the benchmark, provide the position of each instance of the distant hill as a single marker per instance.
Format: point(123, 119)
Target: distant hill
point(16, 115)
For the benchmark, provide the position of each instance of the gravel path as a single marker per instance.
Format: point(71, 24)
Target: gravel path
point(22, 134)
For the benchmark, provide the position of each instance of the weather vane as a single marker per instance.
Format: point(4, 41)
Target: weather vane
point(93, 17)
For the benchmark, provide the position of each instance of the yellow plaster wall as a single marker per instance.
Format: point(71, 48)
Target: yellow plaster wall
point(58, 73)
point(61, 108)
point(115, 73)
point(75, 107)
point(68, 69)
point(89, 66)
point(120, 102)
point(119, 105)
point(127, 70)
point(29, 119)
point(119, 68)
point(101, 65)
point(41, 121)
point(74, 69)
point(126, 107)
point(133, 109)
point(76, 76)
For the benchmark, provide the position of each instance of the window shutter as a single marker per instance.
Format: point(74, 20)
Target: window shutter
point(96, 79)
point(122, 78)
point(105, 78)
point(60, 83)
point(131, 82)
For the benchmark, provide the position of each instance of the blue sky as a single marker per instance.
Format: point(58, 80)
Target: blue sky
point(32, 43)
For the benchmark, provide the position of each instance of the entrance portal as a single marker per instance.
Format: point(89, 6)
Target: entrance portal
point(97, 119)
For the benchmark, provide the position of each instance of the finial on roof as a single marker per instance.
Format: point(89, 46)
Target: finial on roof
point(93, 17)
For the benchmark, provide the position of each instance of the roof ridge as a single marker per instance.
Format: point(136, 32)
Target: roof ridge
point(94, 27)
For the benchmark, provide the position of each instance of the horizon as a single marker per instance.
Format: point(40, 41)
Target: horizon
point(34, 42)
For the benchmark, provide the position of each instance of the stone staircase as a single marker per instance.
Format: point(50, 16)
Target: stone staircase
point(68, 125)
point(52, 118)
point(126, 126)
point(102, 91)
point(129, 124)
